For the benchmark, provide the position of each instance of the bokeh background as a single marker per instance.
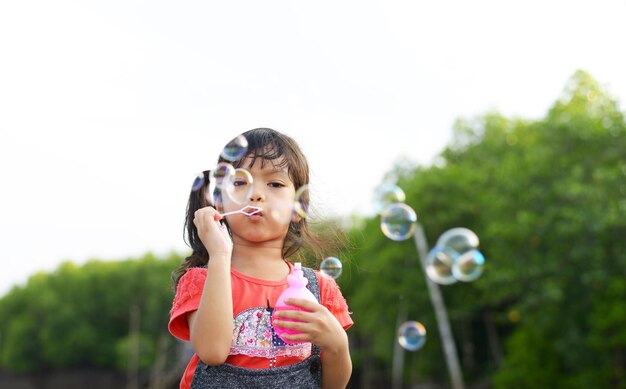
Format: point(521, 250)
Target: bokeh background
point(505, 118)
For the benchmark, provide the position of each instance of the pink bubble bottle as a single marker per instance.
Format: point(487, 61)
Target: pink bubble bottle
point(297, 289)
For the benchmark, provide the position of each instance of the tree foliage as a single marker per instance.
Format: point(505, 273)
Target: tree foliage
point(79, 316)
point(548, 200)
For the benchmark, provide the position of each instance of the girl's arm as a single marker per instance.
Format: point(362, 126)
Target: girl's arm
point(336, 366)
point(321, 327)
point(211, 326)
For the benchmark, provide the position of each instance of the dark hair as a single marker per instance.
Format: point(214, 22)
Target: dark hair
point(269, 145)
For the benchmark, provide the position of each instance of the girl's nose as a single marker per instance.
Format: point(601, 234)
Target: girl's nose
point(257, 193)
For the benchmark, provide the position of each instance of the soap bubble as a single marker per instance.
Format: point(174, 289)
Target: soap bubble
point(468, 266)
point(235, 149)
point(302, 201)
point(332, 267)
point(212, 195)
point(387, 194)
point(458, 239)
point(223, 172)
point(280, 210)
point(412, 335)
point(397, 221)
point(240, 187)
point(198, 182)
point(439, 262)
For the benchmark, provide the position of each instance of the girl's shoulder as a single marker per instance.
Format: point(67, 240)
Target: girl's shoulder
point(324, 280)
point(330, 293)
point(193, 277)
point(332, 298)
point(186, 299)
point(194, 272)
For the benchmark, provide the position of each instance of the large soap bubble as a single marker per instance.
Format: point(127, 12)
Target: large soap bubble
point(235, 149)
point(439, 263)
point(239, 187)
point(468, 266)
point(398, 221)
point(458, 239)
point(332, 267)
point(223, 174)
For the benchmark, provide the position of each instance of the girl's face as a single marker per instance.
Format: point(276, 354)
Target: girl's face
point(273, 191)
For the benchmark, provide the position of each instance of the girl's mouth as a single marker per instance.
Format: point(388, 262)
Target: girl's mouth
point(255, 216)
point(254, 212)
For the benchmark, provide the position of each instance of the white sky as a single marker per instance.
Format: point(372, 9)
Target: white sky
point(108, 109)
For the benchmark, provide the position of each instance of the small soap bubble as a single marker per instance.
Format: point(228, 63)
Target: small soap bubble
point(240, 187)
point(459, 239)
point(387, 194)
point(468, 266)
point(412, 335)
point(439, 262)
point(397, 221)
point(302, 201)
point(280, 210)
point(332, 267)
point(235, 149)
point(223, 172)
point(198, 182)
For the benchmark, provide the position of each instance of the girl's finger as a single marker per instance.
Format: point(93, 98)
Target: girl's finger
point(303, 303)
point(290, 325)
point(209, 212)
point(293, 314)
point(297, 337)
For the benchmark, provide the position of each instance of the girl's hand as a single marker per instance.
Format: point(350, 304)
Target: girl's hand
point(318, 326)
point(212, 233)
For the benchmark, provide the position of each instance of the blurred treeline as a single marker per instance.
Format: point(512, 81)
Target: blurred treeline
point(103, 314)
point(547, 197)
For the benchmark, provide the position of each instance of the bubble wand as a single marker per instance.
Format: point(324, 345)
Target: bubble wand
point(253, 211)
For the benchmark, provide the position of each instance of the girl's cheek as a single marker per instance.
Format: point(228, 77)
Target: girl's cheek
point(281, 210)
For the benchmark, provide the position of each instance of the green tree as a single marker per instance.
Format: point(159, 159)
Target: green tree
point(548, 200)
point(79, 316)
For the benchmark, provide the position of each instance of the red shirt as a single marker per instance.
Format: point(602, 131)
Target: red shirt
point(252, 343)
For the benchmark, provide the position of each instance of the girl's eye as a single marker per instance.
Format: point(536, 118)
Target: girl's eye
point(276, 184)
point(240, 182)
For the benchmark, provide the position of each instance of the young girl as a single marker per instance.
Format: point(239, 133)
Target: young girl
point(237, 270)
